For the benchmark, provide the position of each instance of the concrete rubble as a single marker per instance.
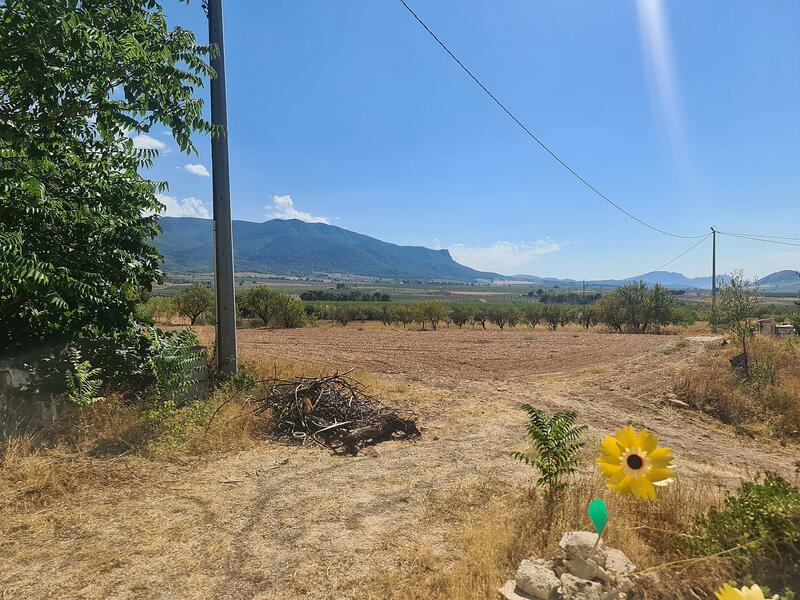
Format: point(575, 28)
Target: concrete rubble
point(579, 572)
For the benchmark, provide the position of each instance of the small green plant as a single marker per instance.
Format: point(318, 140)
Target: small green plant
point(555, 445)
point(82, 381)
point(761, 526)
point(172, 364)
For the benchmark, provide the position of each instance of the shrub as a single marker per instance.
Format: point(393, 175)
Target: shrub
point(556, 447)
point(762, 523)
point(172, 364)
point(82, 381)
point(768, 399)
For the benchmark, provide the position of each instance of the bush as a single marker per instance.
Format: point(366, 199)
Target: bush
point(172, 364)
point(768, 399)
point(762, 522)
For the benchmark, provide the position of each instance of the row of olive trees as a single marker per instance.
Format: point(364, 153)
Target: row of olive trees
point(433, 314)
point(635, 308)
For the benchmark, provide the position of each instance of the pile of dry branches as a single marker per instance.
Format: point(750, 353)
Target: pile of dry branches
point(334, 411)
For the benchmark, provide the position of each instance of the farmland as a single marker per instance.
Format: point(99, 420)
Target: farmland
point(279, 522)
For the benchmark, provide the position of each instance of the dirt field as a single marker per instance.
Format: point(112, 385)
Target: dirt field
point(279, 522)
point(457, 354)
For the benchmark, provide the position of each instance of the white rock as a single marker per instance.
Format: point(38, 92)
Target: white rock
point(537, 580)
point(510, 591)
point(580, 543)
point(585, 569)
point(575, 588)
point(618, 563)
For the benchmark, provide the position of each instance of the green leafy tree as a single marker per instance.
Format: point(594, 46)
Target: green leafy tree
point(343, 314)
point(556, 447)
point(498, 316)
point(460, 315)
point(431, 312)
point(588, 316)
point(261, 302)
point(736, 312)
point(532, 314)
point(194, 301)
point(404, 314)
point(552, 315)
point(77, 81)
point(637, 307)
point(481, 315)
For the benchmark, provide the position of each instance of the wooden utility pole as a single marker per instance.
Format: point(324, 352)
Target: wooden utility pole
point(223, 233)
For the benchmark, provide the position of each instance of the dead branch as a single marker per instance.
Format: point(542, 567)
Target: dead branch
point(334, 411)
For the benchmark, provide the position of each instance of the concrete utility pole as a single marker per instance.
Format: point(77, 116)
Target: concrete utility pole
point(223, 233)
point(713, 271)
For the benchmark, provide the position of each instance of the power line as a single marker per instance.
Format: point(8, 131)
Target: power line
point(536, 139)
point(758, 235)
point(666, 264)
point(759, 239)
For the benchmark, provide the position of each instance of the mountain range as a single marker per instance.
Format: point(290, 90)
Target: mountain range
point(296, 248)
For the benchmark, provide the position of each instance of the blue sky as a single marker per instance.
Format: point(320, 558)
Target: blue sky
point(685, 113)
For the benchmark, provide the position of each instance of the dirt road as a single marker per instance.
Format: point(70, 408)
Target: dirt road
point(279, 522)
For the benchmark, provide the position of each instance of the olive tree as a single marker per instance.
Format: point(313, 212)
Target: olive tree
point(736, 311)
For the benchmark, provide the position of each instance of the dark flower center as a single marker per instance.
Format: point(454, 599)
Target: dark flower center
point(635, 461)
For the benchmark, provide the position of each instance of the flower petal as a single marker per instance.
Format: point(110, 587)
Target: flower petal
point(627, 437)
point(648, 440)
point(643, 488)
point(661, 457)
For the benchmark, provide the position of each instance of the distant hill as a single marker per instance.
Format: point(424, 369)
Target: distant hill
point(783, 281)
point(292, 247)
point(668, 279)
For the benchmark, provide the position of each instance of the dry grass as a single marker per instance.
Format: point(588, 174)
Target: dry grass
point(496, 526)
point(767, 402)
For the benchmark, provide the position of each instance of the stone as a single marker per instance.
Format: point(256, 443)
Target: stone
point(579, 544)
point(586, 569)
point(575, 588)
point(537, 580)
point(510, 591)
point(618, 563)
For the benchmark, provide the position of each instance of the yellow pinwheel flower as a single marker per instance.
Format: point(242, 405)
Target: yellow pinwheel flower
point(633, 463)
point(744, 593)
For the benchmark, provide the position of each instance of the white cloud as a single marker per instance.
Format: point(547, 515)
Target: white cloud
point(282, 207)
point(145, 142)
point(502, 257)
point(188, 207)
point(197, 170)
